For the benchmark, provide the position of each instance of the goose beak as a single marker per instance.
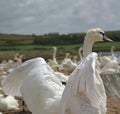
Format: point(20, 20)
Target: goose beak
point(105, 38)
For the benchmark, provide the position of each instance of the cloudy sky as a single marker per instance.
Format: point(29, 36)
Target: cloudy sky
point(63, 16)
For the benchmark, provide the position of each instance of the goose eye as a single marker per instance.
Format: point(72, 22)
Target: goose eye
point(102, 33)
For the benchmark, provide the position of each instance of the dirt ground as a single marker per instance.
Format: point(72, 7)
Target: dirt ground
point(113, 107)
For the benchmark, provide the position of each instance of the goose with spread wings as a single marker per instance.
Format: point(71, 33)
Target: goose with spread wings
point(42, 91)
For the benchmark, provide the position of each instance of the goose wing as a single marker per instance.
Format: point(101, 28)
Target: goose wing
point(15, 78)
point(37, 84)
point(86, 80)
point(13, 82)
point(42, 90)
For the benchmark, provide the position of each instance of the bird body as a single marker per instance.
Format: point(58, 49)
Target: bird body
point(8, 103)
point(69, 65)
point(42, 90)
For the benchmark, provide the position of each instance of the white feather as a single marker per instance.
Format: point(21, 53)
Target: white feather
point(17, 76)
point(84, 92)
point(40, 88)
point(8, 103)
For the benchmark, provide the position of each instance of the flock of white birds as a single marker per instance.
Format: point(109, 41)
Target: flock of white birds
point(41, 83)
point(8, 102)
point(106, 64)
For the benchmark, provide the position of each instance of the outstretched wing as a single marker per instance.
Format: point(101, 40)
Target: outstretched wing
point(42, 90)
point(39, 87)
point(15, 78)
point(85, 79)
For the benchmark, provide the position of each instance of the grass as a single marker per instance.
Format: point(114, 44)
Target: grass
point(97, 47)
point(46, 51)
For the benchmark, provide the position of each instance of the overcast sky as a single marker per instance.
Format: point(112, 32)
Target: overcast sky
point(63, 16)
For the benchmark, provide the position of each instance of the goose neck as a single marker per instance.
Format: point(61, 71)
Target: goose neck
point(87, 47)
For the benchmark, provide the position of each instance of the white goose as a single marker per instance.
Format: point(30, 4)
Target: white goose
point(42, 90)
point(67, 58)
point(80, 53)
point(109, 64)
point(8, 103)
point(68, 64)
point(53, 62)
point(54, 54)
point(107, 59)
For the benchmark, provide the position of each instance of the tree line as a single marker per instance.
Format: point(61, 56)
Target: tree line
point(51, 38)
point(66, 39)
point(57, 39)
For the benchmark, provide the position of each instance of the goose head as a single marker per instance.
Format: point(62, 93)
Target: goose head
point(54, 48)
point(92, 36)
point(96, 35)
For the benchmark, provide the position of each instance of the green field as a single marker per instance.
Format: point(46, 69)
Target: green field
point(31, 51)
point(101, 46)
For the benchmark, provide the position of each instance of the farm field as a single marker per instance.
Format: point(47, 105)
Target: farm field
point(30, 51)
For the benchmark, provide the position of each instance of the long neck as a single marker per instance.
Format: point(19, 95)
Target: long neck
point(112, 52)
point(80, 53)
point(54, 54)
point(87, 46)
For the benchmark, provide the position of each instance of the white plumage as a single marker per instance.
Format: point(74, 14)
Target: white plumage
point(8, 103)
point(84, 92)
point(42, 90)
point(39, 86)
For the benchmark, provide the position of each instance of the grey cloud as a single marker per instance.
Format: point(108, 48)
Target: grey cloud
point(44, 16)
